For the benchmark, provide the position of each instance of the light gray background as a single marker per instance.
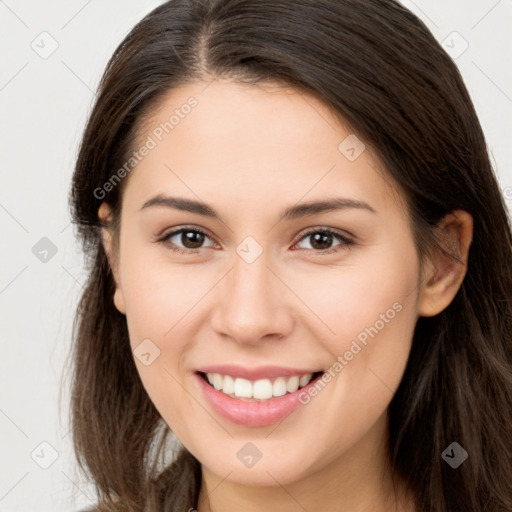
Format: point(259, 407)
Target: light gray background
point(44, 104)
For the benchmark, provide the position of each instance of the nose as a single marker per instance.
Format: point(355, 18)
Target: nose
point(253, 303)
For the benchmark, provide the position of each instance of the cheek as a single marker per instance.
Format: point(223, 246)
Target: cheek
point(371, 312)
point(375, 294)
point(373, 315)
point(158, 294)
point(159, 302)
point(158, 308)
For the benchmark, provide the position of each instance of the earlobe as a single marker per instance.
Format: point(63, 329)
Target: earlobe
point(448, 268)
point(104, 215)
point(119, 300)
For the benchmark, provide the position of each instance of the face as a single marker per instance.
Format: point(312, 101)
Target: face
point(260, 300)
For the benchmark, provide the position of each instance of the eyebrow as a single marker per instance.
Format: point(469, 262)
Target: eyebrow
point(292, 212)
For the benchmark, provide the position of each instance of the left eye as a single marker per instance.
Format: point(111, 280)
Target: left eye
point(193, 239)
point(324, 237)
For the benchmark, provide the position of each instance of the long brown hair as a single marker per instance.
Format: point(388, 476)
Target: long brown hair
point(376, 64)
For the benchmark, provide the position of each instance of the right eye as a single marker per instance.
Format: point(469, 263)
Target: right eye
point(190, 238)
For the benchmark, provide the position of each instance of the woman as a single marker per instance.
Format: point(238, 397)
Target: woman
point(300, 264)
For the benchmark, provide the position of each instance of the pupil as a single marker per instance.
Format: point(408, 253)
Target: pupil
point(192, 239)
point(324, 240)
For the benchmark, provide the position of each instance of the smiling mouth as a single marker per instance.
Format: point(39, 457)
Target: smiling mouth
point(257, 390)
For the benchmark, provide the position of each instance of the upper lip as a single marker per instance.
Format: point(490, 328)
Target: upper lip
point(256, 373)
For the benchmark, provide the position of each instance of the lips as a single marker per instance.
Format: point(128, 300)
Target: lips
point(261, 389)
point(251, 383)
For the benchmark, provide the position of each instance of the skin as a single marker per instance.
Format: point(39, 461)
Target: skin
point(249, 152)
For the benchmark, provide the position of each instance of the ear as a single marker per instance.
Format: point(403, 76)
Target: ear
point(105, 215)
point(444, 274)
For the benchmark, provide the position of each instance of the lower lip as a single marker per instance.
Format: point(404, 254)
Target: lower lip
point(252, 414)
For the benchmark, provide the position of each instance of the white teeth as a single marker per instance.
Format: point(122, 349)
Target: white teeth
point(305, 379)
point(229, 385)
point(217, 381)
point(279, 387)
point(262, 389)
point(243, 388)
point(292, 384)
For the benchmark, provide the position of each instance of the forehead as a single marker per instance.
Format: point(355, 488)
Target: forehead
point(253, 143)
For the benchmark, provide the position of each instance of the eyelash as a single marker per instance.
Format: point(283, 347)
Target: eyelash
point(345, 242)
